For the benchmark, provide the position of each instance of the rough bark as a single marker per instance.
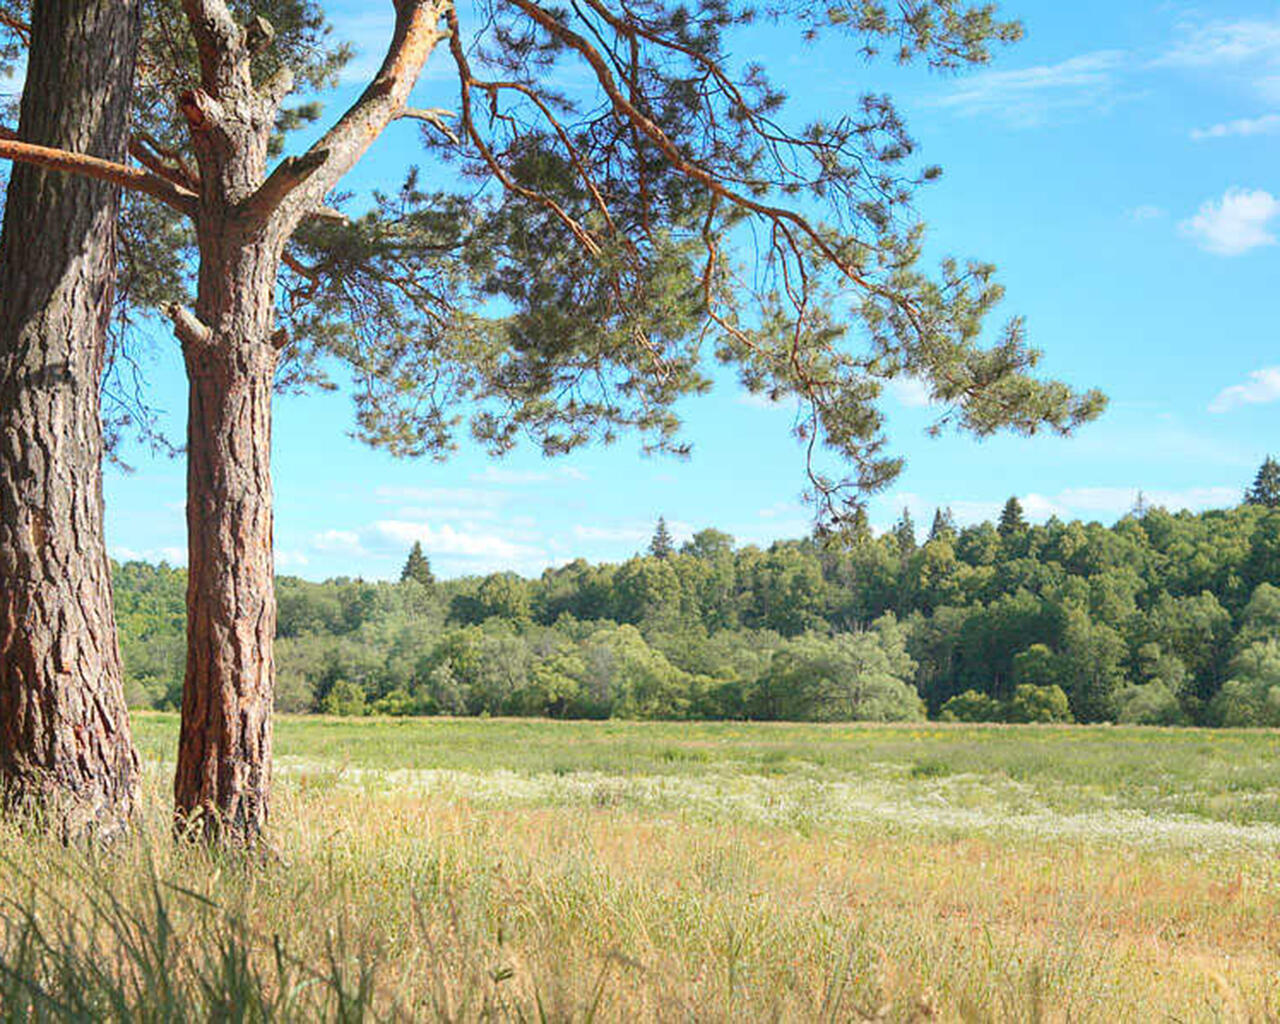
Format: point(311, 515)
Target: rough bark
point(222, 784)
point(65, 747)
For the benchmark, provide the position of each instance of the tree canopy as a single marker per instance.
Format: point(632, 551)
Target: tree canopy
point(1158, 619)
point(577, 266)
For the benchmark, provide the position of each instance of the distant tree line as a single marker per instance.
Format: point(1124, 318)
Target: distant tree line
point(1163, 618)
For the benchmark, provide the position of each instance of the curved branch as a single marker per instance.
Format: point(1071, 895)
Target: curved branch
point(671, 151)
point(131, 178)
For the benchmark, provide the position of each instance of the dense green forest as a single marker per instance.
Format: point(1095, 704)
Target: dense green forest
point(1162, 618)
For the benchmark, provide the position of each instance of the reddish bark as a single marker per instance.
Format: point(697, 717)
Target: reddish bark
point(65, 748)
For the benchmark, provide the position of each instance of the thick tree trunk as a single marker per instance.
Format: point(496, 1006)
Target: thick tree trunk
point(65, 748)
point(224, 758)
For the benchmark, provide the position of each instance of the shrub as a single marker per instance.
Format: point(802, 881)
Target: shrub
point(345, 698)
point(1152, 703)
point(1038, 704)
point(972, 706)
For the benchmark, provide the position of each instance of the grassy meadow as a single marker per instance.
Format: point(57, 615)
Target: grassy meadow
point(533, 870)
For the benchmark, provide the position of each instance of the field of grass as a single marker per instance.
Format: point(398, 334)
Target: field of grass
point(532, 870)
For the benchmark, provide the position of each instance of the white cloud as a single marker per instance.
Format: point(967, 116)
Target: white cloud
point(447, 540)
point(1146, 212)
point(174, 555)
point(1235, 223)
point(291, 559)
point(469, 496)
point(1105, 503)
point(504, 477)
point(909, 391)
point(337, 542)
point(443, 503)
point(1224, 43)
point(613, 533)
point(1243, 126)
point(781, 509)
point(1026, 96)
point(1262, 386)
point(632, 533)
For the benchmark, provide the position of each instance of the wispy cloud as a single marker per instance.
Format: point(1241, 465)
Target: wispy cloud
point(448, 540)
point(502, 476)
point(1106, 503)
point(1146, 212)
point(1263, 386)
point(1027, 96)
point(1224, 43)
point(337, 542)
point(172, 555)
point(1267, 124)
point(1234, 224)
point(291, 560)
point(631, 532)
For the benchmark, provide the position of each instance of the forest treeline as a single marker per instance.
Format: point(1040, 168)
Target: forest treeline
point(1162, 618)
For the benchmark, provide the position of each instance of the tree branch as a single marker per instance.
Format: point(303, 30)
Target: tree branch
point(18, 27)
point(181, 199)
point(433, 116)
point(333, 155)
point(189, 328)
point(290, 173)
point(629, 112)
point(218, 40)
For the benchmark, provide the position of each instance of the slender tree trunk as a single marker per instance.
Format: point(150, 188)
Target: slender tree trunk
point(222, 784)
point(65, 748)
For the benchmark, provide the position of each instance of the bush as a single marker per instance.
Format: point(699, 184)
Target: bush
point(852, 677)
point(345, 699)
point(1251, 697)
point(1038, 704)
point(1152, 703)
point(972, 706)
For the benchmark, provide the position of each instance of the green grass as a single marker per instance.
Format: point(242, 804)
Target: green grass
point(533, 870)
point(1217, 775)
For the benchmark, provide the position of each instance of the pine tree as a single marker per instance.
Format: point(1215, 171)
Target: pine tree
point(1012, 521)
point(904, 533)
point(1266, 485)
point(944, 525)
point(417, 567)
point(575, 276)
point(661, 546)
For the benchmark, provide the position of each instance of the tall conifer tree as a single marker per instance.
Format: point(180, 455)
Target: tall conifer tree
point(1265, 489)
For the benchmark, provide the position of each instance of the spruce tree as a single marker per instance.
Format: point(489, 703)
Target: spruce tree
point(904, 533)
point(661, 546)
point(944, 525)
point(417, 567)
point(1265, 489)
point(1012, 521)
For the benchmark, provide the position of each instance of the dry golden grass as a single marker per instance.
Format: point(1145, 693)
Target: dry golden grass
point(382, 903)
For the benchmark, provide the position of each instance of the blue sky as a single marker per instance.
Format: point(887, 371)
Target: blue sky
point(1120, 166)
